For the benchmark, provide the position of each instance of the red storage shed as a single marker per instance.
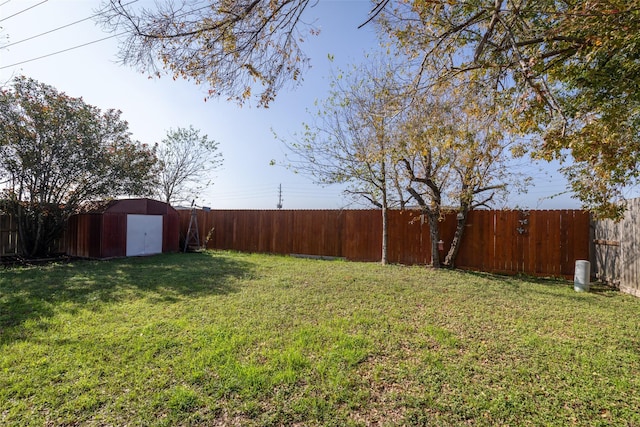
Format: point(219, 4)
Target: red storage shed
point(127, 227)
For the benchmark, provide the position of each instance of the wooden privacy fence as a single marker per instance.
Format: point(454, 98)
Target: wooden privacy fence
point(9, 245)
point(8, 236)
point(617, 250)
point(542, 243)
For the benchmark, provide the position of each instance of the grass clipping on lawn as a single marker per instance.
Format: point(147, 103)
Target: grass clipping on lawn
point(221, 338)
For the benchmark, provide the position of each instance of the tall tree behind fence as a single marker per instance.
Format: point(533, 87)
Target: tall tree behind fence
point(617, 250)
point(542, 243)
point(9, 238)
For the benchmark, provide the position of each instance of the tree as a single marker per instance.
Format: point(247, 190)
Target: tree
point(233, 46)
point(569, 70)
point(185, 162)
point(353, 135)
point(57, 152)
point(443, 147)
point(455, 157)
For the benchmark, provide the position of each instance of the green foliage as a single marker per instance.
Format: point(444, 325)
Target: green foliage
point(569, 71)
point(455, 154)
point(57, 152)
point(186, 161)
point(233, 47)
point(353, 132)
point(221, 338)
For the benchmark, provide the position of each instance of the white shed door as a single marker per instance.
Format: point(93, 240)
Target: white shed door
point(144, 234)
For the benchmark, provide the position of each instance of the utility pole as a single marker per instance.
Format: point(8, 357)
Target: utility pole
point(279, 205)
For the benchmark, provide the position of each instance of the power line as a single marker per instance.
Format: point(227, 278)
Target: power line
point(74, 47)
point(5, 3)
point(23, 10)
point(59, 28)
point(270, 192)
point(46, 32)
point(61, 51)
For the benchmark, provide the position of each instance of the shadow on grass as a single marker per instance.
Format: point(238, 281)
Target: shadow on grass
point(37, 292)
point(546, 285)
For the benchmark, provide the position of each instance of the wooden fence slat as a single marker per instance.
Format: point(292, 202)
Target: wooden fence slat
point(470, 242)
point(501, 248)
point(549, 231)
point(488, 252)
point(567, 261)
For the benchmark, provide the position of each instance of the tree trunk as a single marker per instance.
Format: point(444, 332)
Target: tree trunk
point(38, 227)
point(385, 233)
point(385, 206)
point(29, 231)
point(434, 233)
point(432, 211)
point(450, 259)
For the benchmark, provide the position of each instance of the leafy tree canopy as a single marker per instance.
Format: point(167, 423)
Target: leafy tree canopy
point(350, 137)
point(186, 160)
point(233, 46)
point(569, 69)
point(57, 152)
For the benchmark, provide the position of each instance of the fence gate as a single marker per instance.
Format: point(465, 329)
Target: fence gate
point(617, 250)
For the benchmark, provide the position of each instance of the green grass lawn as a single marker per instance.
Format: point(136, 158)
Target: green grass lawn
point(223, 338)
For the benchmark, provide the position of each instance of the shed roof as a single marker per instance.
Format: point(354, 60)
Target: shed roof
point(142, 206)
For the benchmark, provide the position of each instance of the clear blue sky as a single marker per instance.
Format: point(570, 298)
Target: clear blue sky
point(152, 106)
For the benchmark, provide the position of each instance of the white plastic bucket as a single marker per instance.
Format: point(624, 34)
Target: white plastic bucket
point(582, 276)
